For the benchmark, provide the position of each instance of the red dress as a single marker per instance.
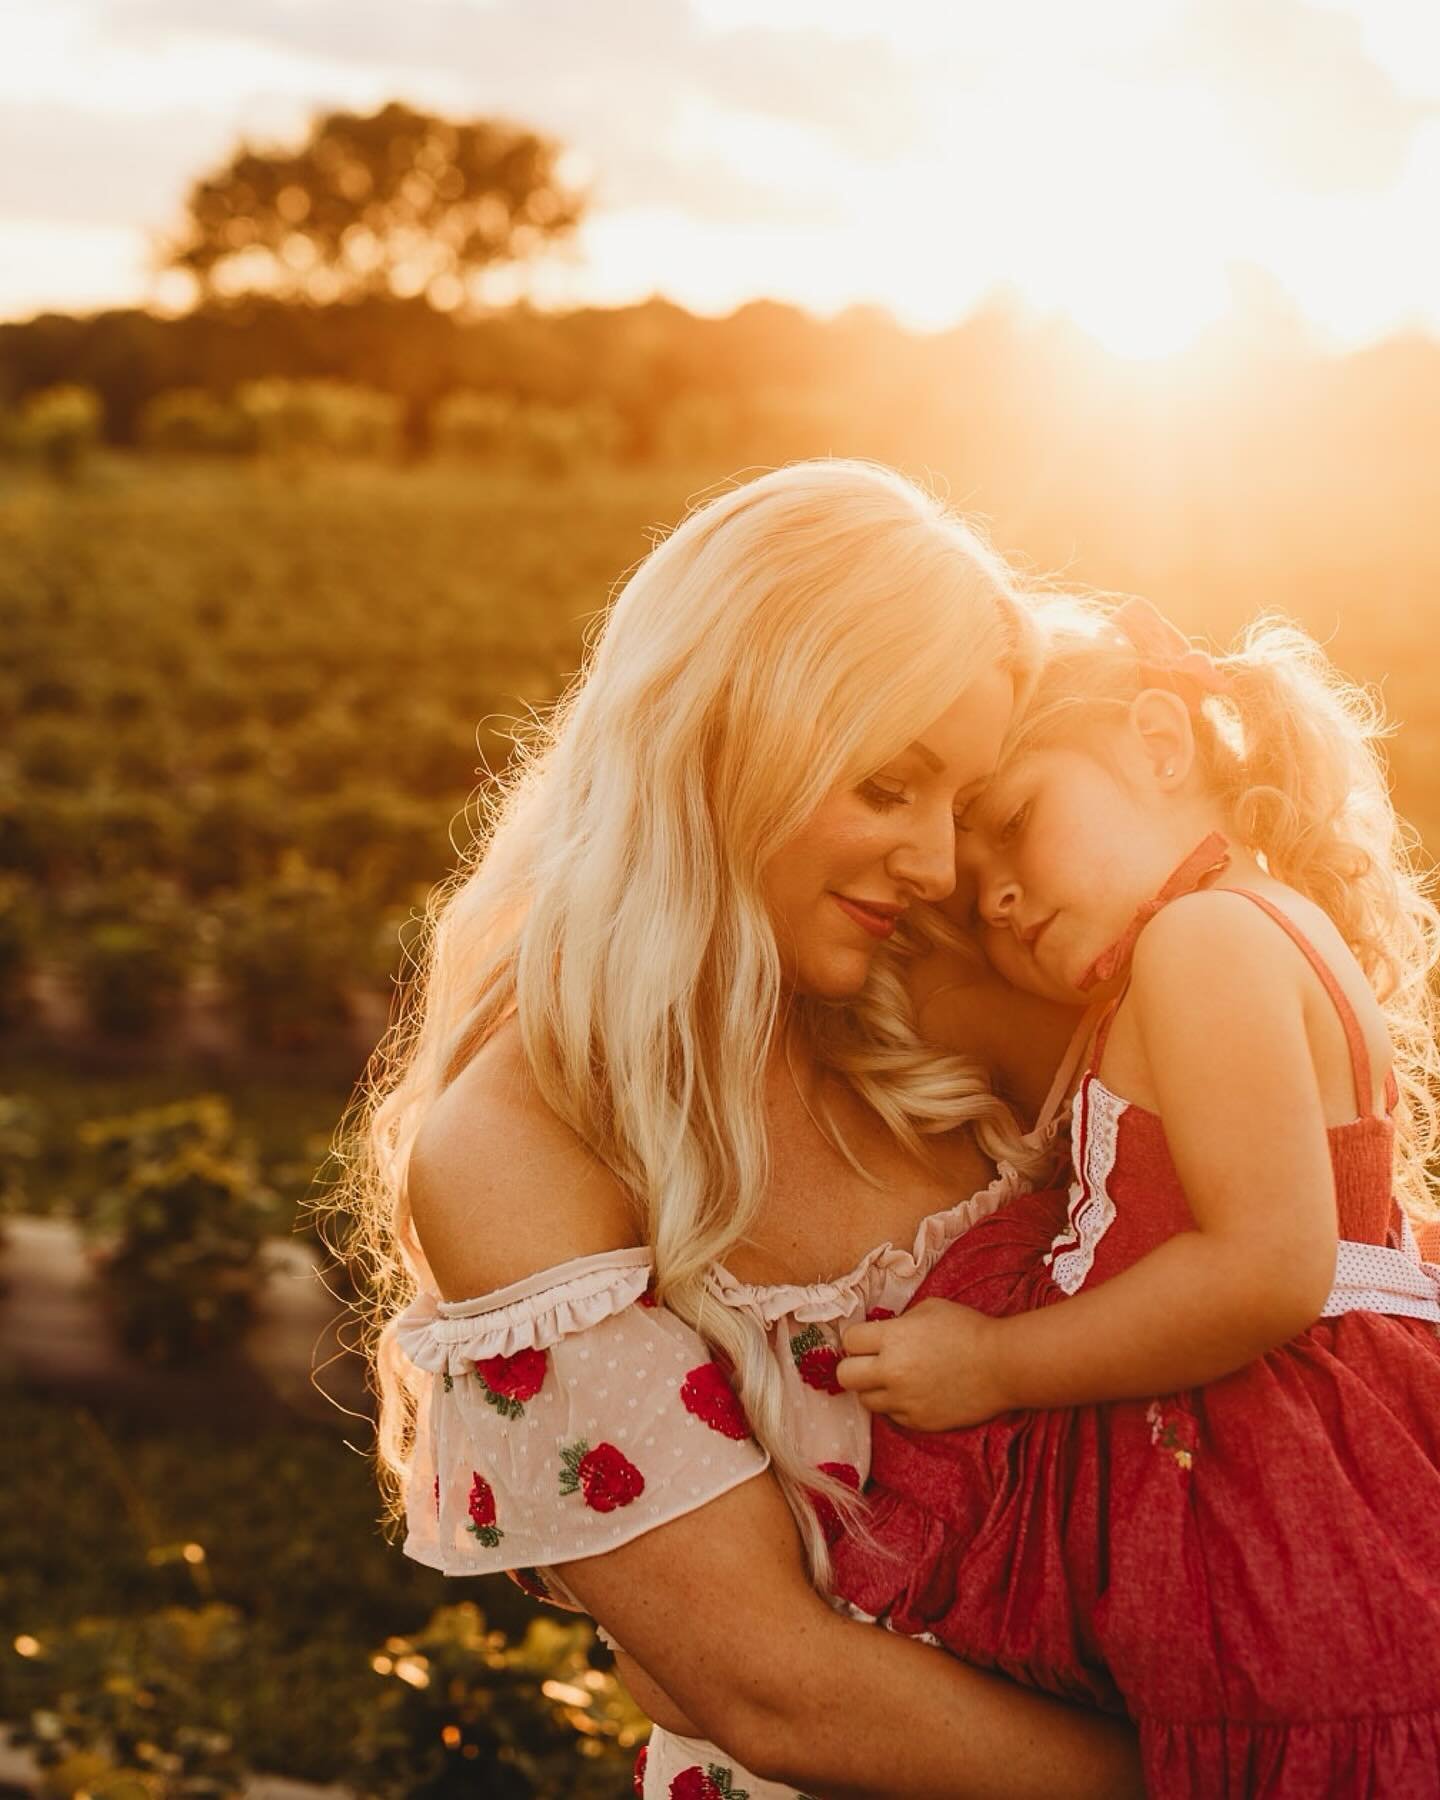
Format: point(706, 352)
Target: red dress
point(1250, 1568)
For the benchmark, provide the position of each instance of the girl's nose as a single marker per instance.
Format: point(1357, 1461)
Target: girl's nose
point(999, 896)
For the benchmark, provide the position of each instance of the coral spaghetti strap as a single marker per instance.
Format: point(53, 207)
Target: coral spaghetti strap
point(1354, 1035)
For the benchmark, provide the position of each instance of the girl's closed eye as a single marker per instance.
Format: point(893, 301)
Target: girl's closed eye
point(1014, 823)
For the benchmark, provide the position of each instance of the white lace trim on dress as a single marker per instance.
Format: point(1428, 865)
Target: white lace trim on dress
point(1096, 1123)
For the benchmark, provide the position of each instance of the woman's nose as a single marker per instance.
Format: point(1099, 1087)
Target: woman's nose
point(926, 861)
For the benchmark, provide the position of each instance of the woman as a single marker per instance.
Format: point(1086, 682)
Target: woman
point(661, 1051)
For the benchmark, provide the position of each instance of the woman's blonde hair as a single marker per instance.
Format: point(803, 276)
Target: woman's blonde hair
point(792, 634)
point(1291, 749)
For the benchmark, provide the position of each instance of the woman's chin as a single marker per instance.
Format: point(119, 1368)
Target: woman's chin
point(839, 976)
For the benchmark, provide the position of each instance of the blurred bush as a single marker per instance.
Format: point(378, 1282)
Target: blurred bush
point(289, 418)
point(178, 1213)
point(57, 426)
point(19, 936)
point(129, 947)
point(22, 1134)
point(465, 1712)
point(541, 437)
point(192, 422)
point(285, 949)
point(122, 1709)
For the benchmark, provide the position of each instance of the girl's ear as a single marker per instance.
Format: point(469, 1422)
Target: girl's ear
point(1163, 736)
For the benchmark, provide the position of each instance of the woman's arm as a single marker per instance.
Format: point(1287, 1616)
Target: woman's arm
point(1222, 1024)
point(716, 1605)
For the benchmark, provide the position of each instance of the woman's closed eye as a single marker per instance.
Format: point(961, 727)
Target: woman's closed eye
point(881, 796)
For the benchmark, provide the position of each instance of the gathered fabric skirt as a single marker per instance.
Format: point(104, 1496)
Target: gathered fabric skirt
point(1250, 1569)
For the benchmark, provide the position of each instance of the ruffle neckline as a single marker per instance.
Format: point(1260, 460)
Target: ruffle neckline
point(446, 1336)
point(818, 1301)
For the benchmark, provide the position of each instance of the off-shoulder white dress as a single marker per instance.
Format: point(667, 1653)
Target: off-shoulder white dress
point(567, 1414)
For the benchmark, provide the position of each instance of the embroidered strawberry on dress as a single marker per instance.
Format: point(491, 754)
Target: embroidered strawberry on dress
point(509, 1381)
point(713, 1782)
point(603, 1476)
point(816, 1359)
point(482, 1512)
point(707, 1395)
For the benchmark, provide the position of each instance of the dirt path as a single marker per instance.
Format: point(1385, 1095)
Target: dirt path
point(293, 1366)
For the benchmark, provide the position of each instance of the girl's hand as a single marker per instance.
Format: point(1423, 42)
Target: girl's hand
point(934, 1368)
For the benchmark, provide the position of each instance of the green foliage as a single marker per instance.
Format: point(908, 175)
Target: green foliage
point(290, 418)
point(281, 1528)
point(286, 952)
point(130, 972)
point(58, 425)
point(121, 1707)
point(397, 202)
point(22, 1129)
point(181, 1213)
point(462, 1705)
point(192, 422)
point(544, 439)
point(19, 935)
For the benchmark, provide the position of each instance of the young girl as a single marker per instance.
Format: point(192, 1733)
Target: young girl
point(1172, 1443)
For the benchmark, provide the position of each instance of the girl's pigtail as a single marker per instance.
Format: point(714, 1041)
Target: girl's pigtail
point(1294, 753)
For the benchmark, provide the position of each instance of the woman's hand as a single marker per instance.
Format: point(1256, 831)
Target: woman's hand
point(934, 1368)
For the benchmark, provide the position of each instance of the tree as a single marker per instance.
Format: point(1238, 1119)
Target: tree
point(398, 204)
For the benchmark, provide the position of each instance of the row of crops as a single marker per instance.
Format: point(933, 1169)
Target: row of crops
point(244, 725)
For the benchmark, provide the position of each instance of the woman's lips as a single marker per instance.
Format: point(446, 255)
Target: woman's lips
point(879, 924)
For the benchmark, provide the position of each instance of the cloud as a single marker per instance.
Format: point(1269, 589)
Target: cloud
point(1299, 91)
point(632, 65)
point(67, 165)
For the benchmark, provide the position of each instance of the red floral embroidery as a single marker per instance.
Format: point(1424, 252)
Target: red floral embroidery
point(713, 1782)
point(605, 1477)
point(437, 1496)
point(816, 1360)
point(529, 1583)
point(509, 1381)
point(878, 1312)
point(826, 1510)
point(482, 1512)
point(709, 1396)
point(648, 1299)
point(638, 1778)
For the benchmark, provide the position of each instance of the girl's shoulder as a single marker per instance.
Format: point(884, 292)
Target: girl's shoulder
point(1216, 933)
point(1250, 965)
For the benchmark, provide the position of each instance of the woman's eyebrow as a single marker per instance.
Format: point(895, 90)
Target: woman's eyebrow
point(927, 756)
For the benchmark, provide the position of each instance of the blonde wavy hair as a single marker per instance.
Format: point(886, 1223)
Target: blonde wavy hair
point(791, 635)
point(1293, 754)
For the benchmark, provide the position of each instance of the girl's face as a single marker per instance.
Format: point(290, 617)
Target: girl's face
point(1056, 855)
point(835, 891)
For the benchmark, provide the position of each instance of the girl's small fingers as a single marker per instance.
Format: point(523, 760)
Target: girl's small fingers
point(862, 1339)
point(858, 1373)
point(876, 1400)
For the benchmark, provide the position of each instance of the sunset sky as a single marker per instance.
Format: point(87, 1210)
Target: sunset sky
point(1135, 164)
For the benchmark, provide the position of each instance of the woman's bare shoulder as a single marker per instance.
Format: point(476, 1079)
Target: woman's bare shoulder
point(500, 1187)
